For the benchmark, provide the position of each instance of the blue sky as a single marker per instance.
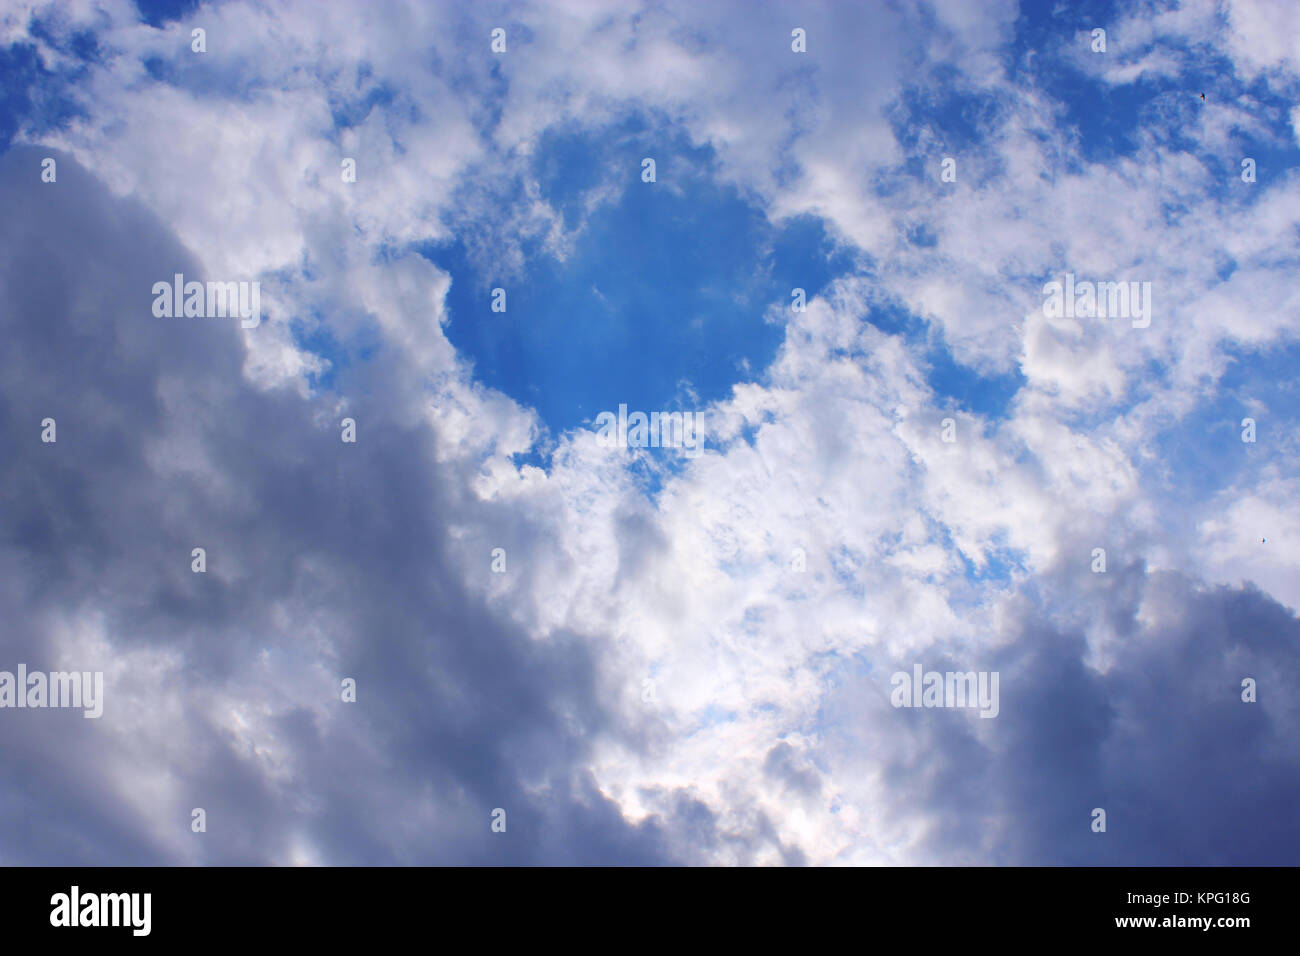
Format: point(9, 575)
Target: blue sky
point(644, 656)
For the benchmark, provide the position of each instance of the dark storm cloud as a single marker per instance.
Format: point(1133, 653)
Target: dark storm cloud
point(1160, 738)
point(458, 713)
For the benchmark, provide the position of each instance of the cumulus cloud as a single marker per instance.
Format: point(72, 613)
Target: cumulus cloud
point(694, 668)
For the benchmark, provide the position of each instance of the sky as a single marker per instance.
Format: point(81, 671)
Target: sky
point(466, 629)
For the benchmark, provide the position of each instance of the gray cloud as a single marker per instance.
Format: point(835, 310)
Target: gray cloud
point(1188, 773)
point(320, 554)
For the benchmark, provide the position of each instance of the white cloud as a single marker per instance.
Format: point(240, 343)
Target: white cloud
point(694, 590)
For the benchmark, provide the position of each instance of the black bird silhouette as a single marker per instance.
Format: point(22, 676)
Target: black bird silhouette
point(1202, 96)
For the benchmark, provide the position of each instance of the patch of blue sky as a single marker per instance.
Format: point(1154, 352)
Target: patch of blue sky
point(80, 44)
point(34, 98)
point(988, 395)
point(960, 120)
point(1203, 452)
point(996, 563)
point(652, 468)
point(660, 304)
point(1000, 564)
point(944, 116)
point(482, 92)
point(571, 163)
point(158, 13)
point(991, 395)
point(1274, 158)
point(313, 335)
point(1112, 119)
